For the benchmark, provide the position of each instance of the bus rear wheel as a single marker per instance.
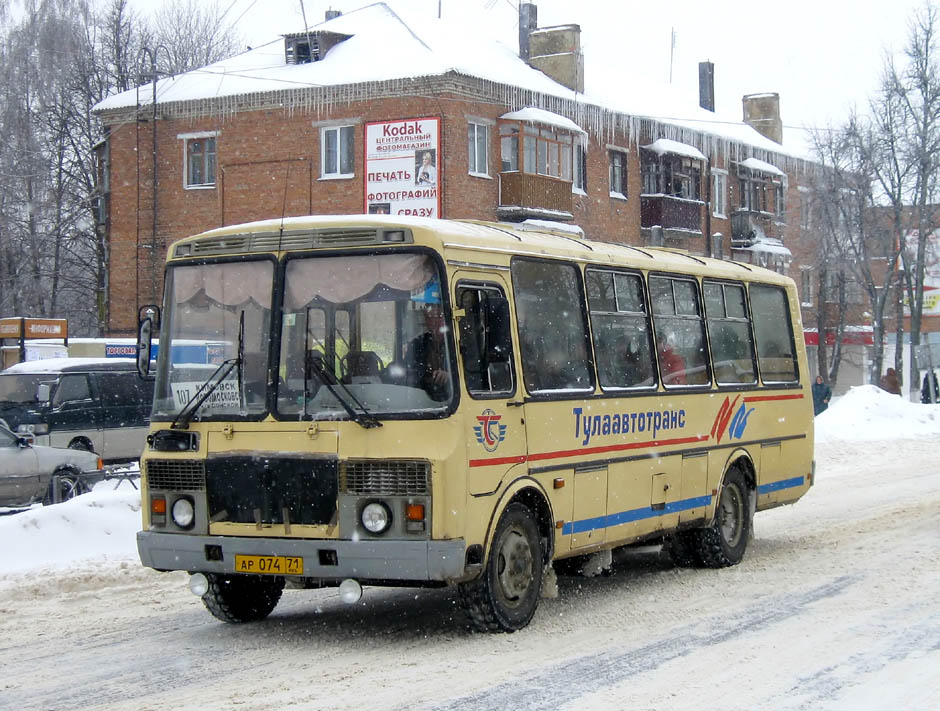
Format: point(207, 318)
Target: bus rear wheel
point(242, 598)
point(723, 542)
point(505, 596)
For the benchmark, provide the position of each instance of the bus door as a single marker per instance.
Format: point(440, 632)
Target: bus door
point(494, 427)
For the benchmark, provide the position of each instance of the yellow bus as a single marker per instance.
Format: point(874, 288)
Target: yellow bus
point(417, 402)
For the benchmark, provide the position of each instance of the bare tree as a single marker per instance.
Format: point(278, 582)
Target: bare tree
point(194, 34)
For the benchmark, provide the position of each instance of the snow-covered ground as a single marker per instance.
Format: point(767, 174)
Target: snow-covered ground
point(836, 606)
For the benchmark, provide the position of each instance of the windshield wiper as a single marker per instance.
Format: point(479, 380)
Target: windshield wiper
point(181, 422)
point(363, 419)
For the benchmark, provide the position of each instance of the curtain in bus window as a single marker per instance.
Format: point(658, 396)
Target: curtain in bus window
point(680, 332)
point(551, 326)
point(228, 283)
point(622, 344)
point(730, 333)
point(344, 279)
point(774, 334)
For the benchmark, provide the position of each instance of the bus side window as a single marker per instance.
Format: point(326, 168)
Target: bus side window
point(729, 331)
point(680, 331)
point(485, 343)
point(622, 344)
point(773, 332)
point(553, 334)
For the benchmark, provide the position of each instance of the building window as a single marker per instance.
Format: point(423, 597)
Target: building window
point(719, 193)
point(756, 189)
point(477, 145)
point(806, 210)
point(543, 150)
point(780, 201)
point(618, 174)
point(579, 169)
point(670, 174)
point(200, 161)
point(806, 286)
point(337, 151)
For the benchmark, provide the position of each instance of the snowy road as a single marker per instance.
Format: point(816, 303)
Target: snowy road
point(836, 606)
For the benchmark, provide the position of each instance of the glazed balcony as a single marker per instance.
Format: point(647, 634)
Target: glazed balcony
point(671, 213)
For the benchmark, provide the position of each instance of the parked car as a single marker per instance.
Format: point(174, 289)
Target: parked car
point(29, 473)
point(96, 404)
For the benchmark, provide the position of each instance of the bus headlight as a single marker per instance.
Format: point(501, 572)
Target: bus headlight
point(376, 517)
point(183, 512)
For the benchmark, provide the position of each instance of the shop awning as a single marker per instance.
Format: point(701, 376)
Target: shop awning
point(665, 145)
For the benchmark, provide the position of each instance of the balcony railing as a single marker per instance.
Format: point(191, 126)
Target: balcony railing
point(527, 194)
point(750, 225)
point(671, 213)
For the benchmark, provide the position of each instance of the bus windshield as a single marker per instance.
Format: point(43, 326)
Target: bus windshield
point(366, 333)
point(207, 305)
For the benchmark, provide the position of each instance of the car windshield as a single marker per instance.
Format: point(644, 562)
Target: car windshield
point(363, 333)
point(208, 306)
point(22, 387)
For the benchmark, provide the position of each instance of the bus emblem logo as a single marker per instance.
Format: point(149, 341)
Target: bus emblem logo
point(489, 432)
point(738, 419)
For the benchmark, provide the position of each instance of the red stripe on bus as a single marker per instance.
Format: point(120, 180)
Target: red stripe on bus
point(762, 398)
point(588, 450)
point(520, 459)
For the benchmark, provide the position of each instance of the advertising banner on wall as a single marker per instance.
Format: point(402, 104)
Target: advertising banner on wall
point(931, 272)
point(403, 160)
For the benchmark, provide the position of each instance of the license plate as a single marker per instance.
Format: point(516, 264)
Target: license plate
point(269, 564)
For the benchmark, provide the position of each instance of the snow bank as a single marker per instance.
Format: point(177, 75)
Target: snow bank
point(867, 412)
point(100, 524)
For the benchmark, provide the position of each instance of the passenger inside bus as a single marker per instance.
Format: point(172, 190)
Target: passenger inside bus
point(425, 357)
point(671, 363)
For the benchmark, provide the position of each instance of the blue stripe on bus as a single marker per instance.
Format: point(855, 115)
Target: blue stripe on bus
point(783, 484)
point(591, 524)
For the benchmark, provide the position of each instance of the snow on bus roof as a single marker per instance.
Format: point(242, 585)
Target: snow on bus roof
point(54, 365)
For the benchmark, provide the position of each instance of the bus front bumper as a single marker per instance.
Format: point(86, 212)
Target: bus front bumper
point(364, 560)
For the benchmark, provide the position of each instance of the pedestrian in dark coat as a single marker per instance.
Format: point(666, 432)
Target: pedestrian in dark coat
point(890, 383)
point(930, 378)
point(821, 395)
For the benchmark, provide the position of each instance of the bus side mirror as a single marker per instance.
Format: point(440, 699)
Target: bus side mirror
point(498, 336)
point(148, 320)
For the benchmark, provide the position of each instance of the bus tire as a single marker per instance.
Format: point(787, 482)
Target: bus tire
point(505, 596)
point(242, 598)
point(723, 542)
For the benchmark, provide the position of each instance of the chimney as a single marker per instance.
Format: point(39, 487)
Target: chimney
point(762, 113)
point(706, 86)
point(332, 14)
point(556, 52)
point(528, 21)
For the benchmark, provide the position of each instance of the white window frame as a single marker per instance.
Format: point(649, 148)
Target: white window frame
point(617, 194)
point(579, 167)
point(720, 205)
point(186, 138)
point(806, 279)
point(337, 127)
point(475, 125)
point(806, 208)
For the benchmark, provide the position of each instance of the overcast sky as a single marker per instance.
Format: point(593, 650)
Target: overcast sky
point(821, 56)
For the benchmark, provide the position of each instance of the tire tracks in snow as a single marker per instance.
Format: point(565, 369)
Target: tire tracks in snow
point(557, 684)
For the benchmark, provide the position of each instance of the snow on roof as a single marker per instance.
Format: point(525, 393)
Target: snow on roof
point(768, 247)
point(543, 118)
point(54, 365)
point(426, 47)
point(759, 165)
point(667, 145)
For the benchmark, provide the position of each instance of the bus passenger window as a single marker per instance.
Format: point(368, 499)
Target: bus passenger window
point(552, 332)
point(730, 332)
point(485, 343)
point(680, 332)
point(621, 329)
point(774, 334)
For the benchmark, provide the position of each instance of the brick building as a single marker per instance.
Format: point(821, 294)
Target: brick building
point(330, 121)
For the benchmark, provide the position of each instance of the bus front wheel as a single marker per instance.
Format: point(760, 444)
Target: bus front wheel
point(242, 598)
point(505, 596)
point(723, 542)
